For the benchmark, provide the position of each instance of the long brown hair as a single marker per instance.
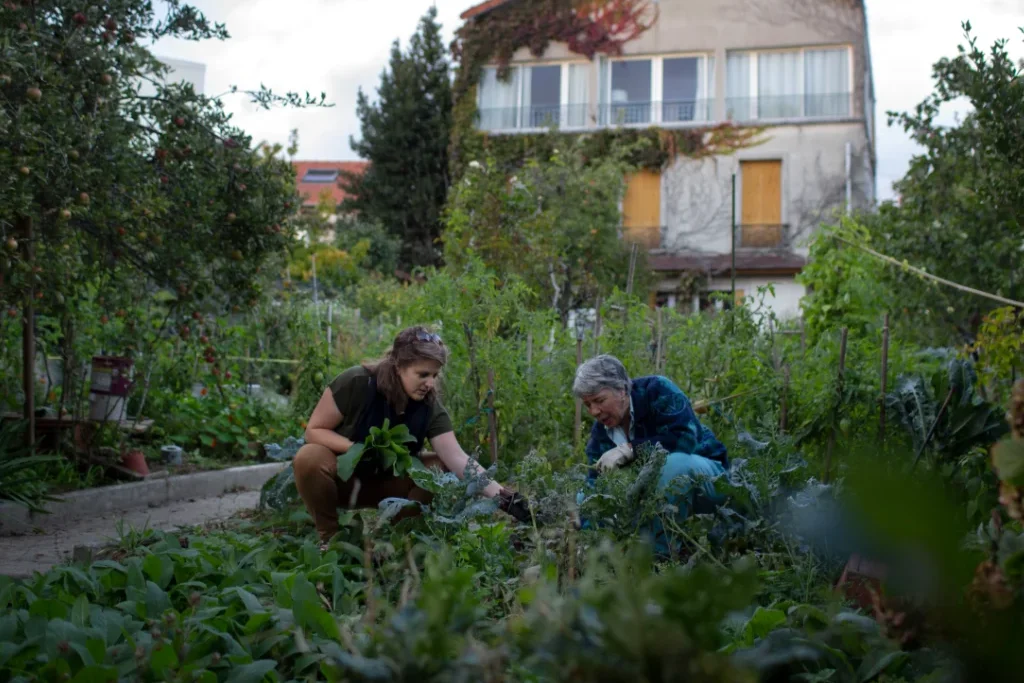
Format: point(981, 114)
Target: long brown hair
point(411, 345)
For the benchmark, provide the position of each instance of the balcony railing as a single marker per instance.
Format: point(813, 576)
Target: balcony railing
point(762, 236)
point(646, 113)
point(838, 105)
point(534, 116)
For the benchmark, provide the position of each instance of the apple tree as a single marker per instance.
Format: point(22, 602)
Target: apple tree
point(103, 178)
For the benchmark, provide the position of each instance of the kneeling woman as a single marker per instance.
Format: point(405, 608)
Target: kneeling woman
point(402, 388)
point(631, 413)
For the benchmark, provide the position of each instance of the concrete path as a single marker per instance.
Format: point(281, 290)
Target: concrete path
point(22, 555)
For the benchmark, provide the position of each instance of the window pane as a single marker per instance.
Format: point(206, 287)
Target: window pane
point(498, 100)
point(631, 91)
point(579, 94)
point(681, 81)
point(542, 95)
point(737, 86)
point(778, 85)
point(827, 82)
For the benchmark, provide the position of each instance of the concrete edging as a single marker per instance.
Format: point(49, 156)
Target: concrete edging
point(15, 519)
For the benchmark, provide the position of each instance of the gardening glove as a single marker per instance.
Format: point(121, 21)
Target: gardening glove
point(616, 457)
point(514, 504)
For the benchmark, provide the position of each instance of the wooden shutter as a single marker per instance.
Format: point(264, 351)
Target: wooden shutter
point(761, 204)
point(641, 209)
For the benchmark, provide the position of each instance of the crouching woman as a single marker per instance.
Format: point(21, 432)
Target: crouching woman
point(630, 414)
point(402, 388)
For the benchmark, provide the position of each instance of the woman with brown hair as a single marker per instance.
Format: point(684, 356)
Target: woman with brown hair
point(402, 388)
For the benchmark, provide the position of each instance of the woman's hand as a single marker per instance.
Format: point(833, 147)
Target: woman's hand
point(455, 459)
point(325, 418)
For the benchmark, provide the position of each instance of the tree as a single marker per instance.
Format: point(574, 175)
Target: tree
point(405, 139)
point(961, 202)
point(98, 180)
point(555, 224)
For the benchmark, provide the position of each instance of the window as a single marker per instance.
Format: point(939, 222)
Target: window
point(785, 84)
point(534, 97)
point(320, 175)
point(658, 90)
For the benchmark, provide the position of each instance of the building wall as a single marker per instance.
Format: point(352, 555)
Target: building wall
point(180, 70)
point(788, 292)
point(696, 194)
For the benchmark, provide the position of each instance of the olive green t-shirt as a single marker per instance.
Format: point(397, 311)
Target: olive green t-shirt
point(349, 390)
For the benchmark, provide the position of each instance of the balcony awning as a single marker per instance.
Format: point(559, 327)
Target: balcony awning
point(747, 263)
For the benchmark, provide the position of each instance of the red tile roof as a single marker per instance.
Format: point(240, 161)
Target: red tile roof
point(311, 191)
point(761, 263)
point(481, 8)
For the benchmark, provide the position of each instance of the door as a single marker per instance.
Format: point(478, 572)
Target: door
point(761, 204)
point(641, 209)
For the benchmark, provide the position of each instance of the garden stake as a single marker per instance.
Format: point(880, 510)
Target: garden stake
point(803, 337)
point(578, 424)
point(935, 424)
point(529, 349)
point(660, 340)
point(492, 418)
point(632, 271)
point(839, 390)
point(597, 327)
point(885, 377)
point(28, 337)
point(371, 604)
point(784, 412)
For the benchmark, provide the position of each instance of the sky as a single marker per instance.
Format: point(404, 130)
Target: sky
point(337, 47)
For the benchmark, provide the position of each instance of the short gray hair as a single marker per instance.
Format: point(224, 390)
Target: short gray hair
point(601, 372)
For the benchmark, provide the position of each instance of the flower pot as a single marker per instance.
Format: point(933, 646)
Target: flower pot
point(135, 460)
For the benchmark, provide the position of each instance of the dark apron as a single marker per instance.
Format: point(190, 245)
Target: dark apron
point(416, 418)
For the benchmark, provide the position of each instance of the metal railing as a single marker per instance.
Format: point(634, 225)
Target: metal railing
point(572, 116)
point(836, 105)
point(534, 116)
point(762, 235)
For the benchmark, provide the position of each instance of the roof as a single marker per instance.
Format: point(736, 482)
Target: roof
point(747, 262)
point(482, 8)
point(311, 191)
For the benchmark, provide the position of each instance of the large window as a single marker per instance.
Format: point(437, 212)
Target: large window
point(658, 90)
point(534, 97)
point(787, 84)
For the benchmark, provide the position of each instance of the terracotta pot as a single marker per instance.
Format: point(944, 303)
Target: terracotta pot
point(135, 460)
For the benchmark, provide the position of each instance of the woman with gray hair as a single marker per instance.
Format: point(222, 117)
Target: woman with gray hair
point(630, 414)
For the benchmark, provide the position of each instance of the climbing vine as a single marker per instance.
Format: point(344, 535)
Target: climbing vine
point(587, 27)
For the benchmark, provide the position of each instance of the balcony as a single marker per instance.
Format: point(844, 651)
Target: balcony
point(762, 236)
point(576, 116)
point(788, 107)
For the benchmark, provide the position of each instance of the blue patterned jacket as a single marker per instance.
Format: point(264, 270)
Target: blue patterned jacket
point(661, 414)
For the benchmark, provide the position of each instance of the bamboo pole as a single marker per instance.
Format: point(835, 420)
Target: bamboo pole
point(597, 328)
point(839, 389)
point(28, 336)
point(885, 378)
point(658, 355)
point(578, 423)
point(784, 412)
point(632, 269)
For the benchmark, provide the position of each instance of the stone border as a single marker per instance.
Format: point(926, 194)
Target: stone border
point(16, 520)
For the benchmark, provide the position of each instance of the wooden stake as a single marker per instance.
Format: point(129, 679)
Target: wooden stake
point(632, 269)
point(597, 328)
point(529, 349)
point(803, 337)
point(839, 390)
point(885, 378)
point(28, 337)
point(784, 412)
point(659, 358)
point(578, 424)
point(492, 417)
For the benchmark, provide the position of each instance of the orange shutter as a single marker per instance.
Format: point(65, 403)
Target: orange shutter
point(641, 209)
point(761, 204)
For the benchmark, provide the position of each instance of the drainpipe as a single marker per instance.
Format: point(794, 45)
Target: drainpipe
point(849, 177)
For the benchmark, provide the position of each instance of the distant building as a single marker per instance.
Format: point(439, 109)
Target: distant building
point(316, 177)
point(180, 70)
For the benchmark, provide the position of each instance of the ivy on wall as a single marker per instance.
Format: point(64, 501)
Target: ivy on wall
point(587, 27)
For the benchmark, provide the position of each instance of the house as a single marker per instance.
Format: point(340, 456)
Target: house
point(320, 181)
point(179, 71)
point(797, 71)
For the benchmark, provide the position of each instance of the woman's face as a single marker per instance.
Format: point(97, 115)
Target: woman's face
point(418, 378)
point(608, 406)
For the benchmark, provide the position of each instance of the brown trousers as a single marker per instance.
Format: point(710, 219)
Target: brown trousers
point(323, 492)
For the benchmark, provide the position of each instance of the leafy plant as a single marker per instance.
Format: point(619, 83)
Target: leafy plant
point(19, 477)
point(385, 445)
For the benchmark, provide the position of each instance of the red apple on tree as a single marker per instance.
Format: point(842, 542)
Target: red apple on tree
point(80, 18)
point(12, 244)
point(34, 94)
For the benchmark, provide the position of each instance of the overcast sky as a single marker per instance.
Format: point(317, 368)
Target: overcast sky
point(336, 47)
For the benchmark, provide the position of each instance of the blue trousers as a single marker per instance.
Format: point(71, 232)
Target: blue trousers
point(686, 482)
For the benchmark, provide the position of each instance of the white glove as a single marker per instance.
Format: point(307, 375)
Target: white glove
point(616, 457)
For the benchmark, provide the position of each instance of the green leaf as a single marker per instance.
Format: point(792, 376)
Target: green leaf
point(874, 666)
point(206, 440)
point(159, 568)
point(8, 627)
point(48, 608)
point(162, 659)
point(96, 674)
point(80, 612)
point(1008, 460)
point(157, 600)
point(252, 673)
point(763, 622)
point(251, 602)
point(347, 461)
point(309, 611)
